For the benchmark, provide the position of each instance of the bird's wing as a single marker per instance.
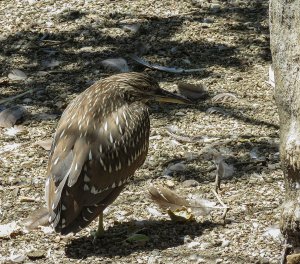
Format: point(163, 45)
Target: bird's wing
point(85, 169)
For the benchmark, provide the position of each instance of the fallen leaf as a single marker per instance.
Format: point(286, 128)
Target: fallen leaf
point(274, 232)
point(14, 131)
point(169, 200)
point(153, 211)
point(9, 230)
point(162, 68)
point(134, 28)
point(193, 244)
point(181, 215)
point(192, 91)
point(45, 144)
point(140, 239)
point(36, 254)
point(47, 229)
point(51, 63)
point(216, 110)
point(17, 75)
point(27, 199)
point(10, 116)
point(271, 80)
point(17, 258)
point(116, 64)
point(222, 97)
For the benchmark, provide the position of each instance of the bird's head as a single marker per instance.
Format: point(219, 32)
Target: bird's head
point(142, 87)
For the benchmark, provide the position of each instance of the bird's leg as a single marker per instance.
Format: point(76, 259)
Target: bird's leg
point(100, 230)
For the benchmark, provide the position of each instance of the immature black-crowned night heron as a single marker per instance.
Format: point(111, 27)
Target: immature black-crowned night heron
point(101, 139)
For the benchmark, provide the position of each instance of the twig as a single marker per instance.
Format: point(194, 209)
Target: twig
point(284, 252)
point(11, 98)
point(226, 208)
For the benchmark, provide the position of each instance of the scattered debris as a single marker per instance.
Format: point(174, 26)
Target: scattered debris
point(10, 116)
point(274, 232)
point(222, 97)
point(138, 239)
point(116, 64)
point(14, 131)
point(216, 110)
point(192, 91)
point(51, 63)
point(162, 68)
point(36, 254)
point(134, 28)
point(12, 98)
point(17, 75)
point(9, 230)
point(178, 207)
point(45, 144)
point(271, 80)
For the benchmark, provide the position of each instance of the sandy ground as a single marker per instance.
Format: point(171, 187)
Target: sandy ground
point(60, 46)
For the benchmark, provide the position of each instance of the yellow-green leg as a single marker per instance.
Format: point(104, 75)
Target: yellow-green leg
point(100, 230)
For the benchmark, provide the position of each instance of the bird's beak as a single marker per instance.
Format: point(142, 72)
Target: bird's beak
point(167, 97)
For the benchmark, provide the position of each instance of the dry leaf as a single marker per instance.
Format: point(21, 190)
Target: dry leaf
point(14, 131)
point(117, 64)
point(167, 199)
point(45, 144)
point(17, 75)
point(9, 230)
point(162, 68)
point(9, 117)
point(137, 239)
point(36, 254)
point(134, 28)
point(153, 211)
point(273, 232)
point(192, 91)
point(222, 97)
point(216, 110)
point(271, 80)
point(181, 215)
point(17, 258)
point(51, 63)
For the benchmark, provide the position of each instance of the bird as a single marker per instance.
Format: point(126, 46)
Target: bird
point(101, 139)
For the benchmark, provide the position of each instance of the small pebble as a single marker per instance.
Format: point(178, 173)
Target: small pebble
point(190, 183)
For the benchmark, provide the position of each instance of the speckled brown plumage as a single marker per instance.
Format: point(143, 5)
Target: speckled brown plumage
point(101, 140)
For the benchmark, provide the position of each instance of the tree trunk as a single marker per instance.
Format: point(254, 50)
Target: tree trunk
point(285, 47)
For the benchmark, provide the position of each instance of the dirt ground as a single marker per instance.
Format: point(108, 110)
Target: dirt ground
point(60, 46)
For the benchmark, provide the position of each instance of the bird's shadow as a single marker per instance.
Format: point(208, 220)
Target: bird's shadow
point(161, 234)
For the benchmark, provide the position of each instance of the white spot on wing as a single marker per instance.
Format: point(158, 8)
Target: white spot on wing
point(63, 207)
point(62, 134)
point(86, 187)
point(56, 161)
point(105, 126)
point(90, 155)
point(90, 211)
point(113, 185)
point(86, 178)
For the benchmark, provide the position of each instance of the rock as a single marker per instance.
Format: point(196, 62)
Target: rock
point(215, 8)
point(36, 254)
point(190, 183)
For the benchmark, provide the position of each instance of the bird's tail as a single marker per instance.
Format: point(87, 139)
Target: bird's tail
point(38, 218)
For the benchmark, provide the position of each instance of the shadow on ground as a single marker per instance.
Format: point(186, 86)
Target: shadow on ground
point(162, 235)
